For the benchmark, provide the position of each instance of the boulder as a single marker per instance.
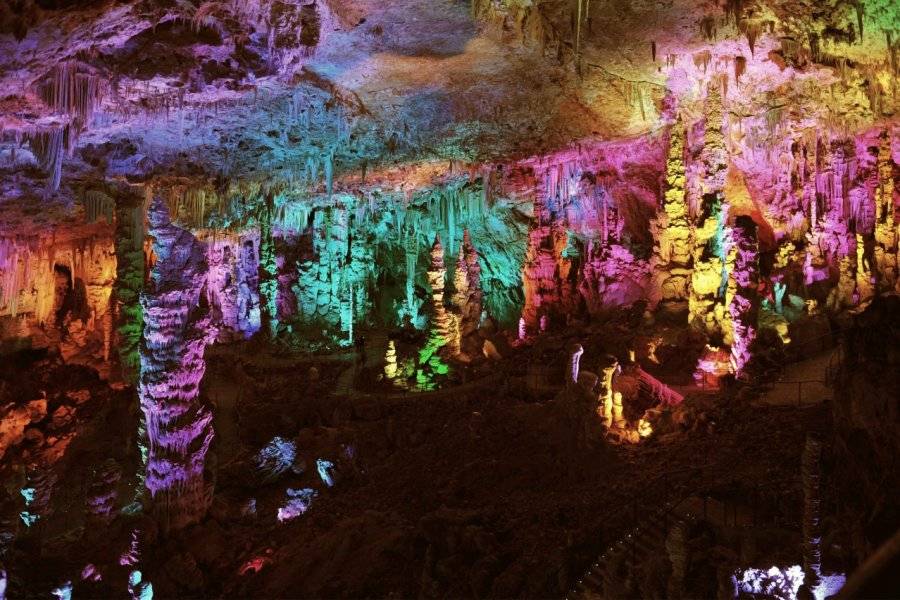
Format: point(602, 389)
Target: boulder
point(14, 419)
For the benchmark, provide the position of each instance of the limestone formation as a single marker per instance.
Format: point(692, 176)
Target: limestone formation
point(886, 232)
point(440, 320)
point(390, 360)
point(575, 352)
point(609, 367)
point(743, 307)
point(178, 422)
point(672, 229)
point(865, 281)
point(711, 238)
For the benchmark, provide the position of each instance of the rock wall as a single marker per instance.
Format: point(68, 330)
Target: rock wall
point(55, 289)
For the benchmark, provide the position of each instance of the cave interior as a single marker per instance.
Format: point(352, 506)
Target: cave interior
point(449, 299)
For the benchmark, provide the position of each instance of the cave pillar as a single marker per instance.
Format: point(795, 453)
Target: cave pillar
point(268, 270)
point(437, 273)
point(886, 231)
point(605, 407)
point(841, 296)
point(706, 309)
point(743, 307)
point(475, 296)
point(671, 229)
point(864, 280)
point(177, 422)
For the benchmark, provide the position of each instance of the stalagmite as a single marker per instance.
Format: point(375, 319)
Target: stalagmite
point(865, 290)
point(743, 306)
point(268, 271)
point(390, 360)
point(454, 342)
point(618, 416)
point(711, 235)
point(460, 281)
point(436, 276)
point(886, 234)
point(575, 352)
point(467, 297)
point(779, 289)
point(232, 286)
point(107, 332)
point(473, 275)
point(605, 408)
point(178, 423)
point(841, 296)
point(671, 229)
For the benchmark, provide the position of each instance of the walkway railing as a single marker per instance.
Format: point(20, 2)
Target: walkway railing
point(658, 390)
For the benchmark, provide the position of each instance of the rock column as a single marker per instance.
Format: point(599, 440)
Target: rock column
point(743, 307)
point(178, 423)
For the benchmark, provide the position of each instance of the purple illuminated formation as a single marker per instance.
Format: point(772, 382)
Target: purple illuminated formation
point(176, 328)
point(744, 305)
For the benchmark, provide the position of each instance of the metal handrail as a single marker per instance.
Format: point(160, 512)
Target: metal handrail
point(669, 508)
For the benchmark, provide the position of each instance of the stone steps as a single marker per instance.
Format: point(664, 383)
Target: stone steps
point(605, 578)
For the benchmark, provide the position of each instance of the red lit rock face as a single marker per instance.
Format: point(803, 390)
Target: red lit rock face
point(56, 286)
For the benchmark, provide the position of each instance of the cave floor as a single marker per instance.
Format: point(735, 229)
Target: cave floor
point(469, 491)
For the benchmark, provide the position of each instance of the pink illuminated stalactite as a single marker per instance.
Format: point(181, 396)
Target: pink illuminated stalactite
point(744, 305)
point(178, 423)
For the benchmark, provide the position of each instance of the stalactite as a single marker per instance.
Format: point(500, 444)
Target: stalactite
point(740, 66)
point(9, 275)
point(708, 28)
point(67, 91)
point(49, 146)
point(329, 175)
point(752, 31)
point(702, 60)
point(578, 19)
point(96, 205)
